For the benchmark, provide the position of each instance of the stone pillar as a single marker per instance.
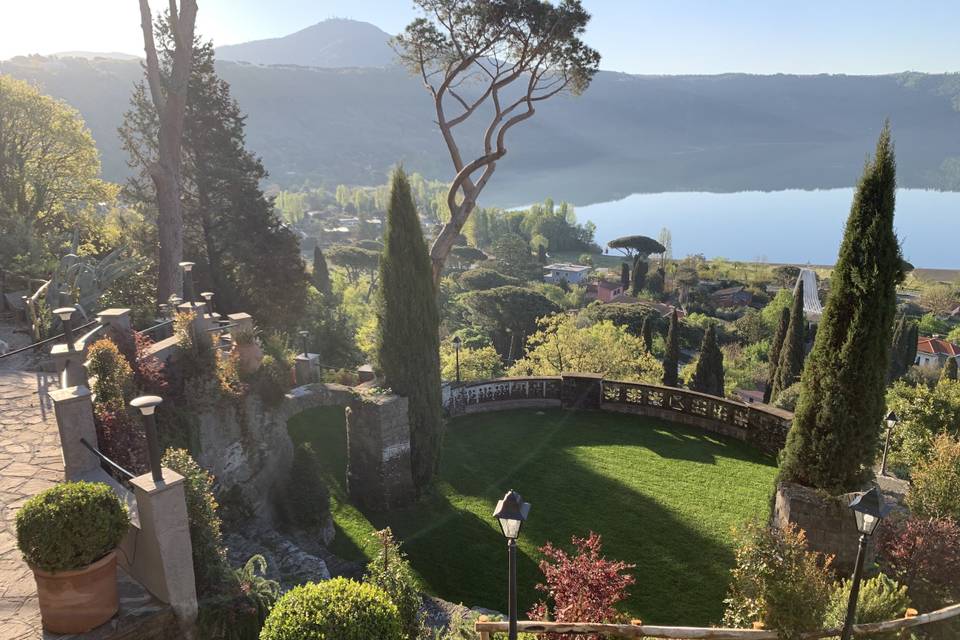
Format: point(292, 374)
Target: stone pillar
point(116, 320)
point(73, 407)
point(307, 366)
point(365, 373)
point(829, 523)
point(69, 365)
point(243, 321)
point(378, 453)
point(581, 390)
point(201, 322)
point(163, 562)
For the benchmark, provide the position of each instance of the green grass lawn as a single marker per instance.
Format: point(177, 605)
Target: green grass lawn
point(664, 497)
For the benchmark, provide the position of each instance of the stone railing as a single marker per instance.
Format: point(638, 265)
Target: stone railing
point(762, 426)
point(502, 393)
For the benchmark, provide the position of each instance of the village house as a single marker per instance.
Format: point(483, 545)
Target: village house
point(572, 273)
point(935, 351)
point(732, 297)
point(604, 291)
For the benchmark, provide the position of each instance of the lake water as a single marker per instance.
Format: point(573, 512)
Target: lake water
point(793, 226)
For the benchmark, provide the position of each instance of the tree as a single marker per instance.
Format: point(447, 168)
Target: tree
point(483, 278)
point(321, 274)
point(833, 440)
point(480, 363)
point(466, 255)
point(790, 365)
point(903, 348)
point(514, 55)
point(230, 229)
point(408, 345)
point(49, 172)
point(514, 258)
point(509, 314)
point(786, 275)
point(624, 275)
point(169, 96)
point(708, 377)
point(646, 333)
point(671, 359)
point(941, 299)
point(354, 260)
point(635, 246)
point(604, 348)
point(630, 316)
point(666, 239)
point(640, 268)
point(949, 370)
point(773, 357)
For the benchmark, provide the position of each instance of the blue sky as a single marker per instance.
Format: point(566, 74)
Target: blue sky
point(635, 36)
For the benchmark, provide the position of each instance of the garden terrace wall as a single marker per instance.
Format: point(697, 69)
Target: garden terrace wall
point(763, 427)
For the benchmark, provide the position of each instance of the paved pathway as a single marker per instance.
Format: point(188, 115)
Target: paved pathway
point(29, 463)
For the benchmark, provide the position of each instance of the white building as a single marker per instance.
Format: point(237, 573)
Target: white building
point(572, 273)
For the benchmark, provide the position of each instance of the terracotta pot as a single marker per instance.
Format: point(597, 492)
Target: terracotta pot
point(79, 600)
point(250, 355)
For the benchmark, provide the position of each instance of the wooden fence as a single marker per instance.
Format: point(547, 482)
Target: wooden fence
point(487, 628)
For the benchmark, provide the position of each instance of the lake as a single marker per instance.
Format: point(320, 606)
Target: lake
point(792, 226)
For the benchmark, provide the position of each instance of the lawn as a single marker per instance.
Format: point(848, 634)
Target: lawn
point(664, 497)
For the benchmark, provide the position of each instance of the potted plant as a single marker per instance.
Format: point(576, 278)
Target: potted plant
point(248, 350)
point(68, 535)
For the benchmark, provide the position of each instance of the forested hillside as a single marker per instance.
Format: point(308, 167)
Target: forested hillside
point(625, 134)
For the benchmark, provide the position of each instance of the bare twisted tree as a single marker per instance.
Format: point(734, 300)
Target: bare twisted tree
point(493, 58)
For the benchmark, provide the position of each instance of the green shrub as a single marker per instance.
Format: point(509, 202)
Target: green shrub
point(924, 412)
point(787, 399)
point(273, 379)
point(195, 353)
point(114, 375)
point(337, 609)
point(71, 525)
point(209, 555)
point(391, 572)
point(935, 488)
point(239, 609)
point(881, 598)
point(306, 502)
point(777, 582)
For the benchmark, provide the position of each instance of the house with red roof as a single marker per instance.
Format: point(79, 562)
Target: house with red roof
point(934, 351)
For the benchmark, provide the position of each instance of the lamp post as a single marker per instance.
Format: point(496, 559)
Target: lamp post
point(891, 423)
point(66, 314)
point(208, 298)
point(147, 405)
point(456, 349)
point(511, 512)
point(187, 281)
point(869, 510)
point(304, 335)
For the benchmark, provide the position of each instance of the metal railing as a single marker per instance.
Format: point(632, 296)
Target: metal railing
point(112, 467)
point(151, 330)
point(48, 340)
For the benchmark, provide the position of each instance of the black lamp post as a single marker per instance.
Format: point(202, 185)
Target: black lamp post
point(66, 316)
point(869, 509)
point(303, 342)
point(456, 349)
point(187, 281)
point(208, 298)
point(891, 423)
point(511, 512)
point(147, 406)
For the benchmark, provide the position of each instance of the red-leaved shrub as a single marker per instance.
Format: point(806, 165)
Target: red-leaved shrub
point(923, 553)
point(581, 587)
point(121, 437)
point(148, 370)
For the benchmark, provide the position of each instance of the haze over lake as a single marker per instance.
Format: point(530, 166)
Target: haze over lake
point(780, 226)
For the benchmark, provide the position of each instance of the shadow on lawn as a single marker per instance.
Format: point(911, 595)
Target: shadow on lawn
point(457, 549)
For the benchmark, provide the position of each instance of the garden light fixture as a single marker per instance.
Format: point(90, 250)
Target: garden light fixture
point(208, 298)
point(187, 281)
point(65, 314)
point(891, 423)
point(147, 406)
point(304, 335)
point(456, 348)
point(511, 512)
point(869, 509)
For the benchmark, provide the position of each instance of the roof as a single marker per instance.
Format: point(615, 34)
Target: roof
point(937, 346)
point(609, 286)
point(728, 291)
point(566, 266)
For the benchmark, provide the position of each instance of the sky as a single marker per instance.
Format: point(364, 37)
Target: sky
point(633, 36)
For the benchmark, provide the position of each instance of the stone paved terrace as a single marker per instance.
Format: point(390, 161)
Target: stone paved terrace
point(30, 461)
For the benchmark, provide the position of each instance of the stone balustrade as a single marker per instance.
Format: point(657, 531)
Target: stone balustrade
point(764, 427)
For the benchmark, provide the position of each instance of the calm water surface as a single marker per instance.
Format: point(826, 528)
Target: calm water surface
point(780, 226)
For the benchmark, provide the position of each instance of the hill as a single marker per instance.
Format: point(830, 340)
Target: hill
point(332, 43)
point(625, 134)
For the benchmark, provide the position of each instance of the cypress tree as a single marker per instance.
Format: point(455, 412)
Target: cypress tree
point(646, 333)
point(408, 340)
point(901, 354)
point(911, 347)
point(321, 274)
point(708, 377)
point(671, 359)
point(794, 346)
point(833, 441)
point(625, 275)
point(773, 357)
point(949, 370)
point(640, 267)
